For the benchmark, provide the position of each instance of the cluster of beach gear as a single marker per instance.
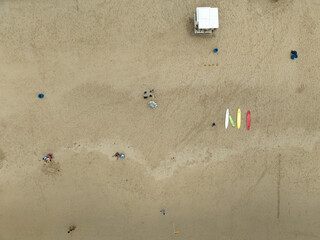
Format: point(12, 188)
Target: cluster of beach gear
point(229, 119)
point(150, 96)
point(119, 155)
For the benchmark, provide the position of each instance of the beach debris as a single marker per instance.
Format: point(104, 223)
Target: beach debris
point(163, 211)
point(213, 124)
point(41, 95)
point(51, 168)
point(211, 64)
point(215, 50)
point(294, 54)
point(71, 228)
point(174, 229)
point(48, 158)
point(231, 121)
point(122, 156)
point(152, 104)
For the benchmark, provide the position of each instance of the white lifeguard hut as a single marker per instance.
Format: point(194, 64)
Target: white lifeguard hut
point(206, 19)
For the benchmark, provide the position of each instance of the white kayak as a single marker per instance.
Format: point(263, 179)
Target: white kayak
point(226, 122)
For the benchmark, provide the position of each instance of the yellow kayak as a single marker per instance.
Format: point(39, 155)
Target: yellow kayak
point(238, 118)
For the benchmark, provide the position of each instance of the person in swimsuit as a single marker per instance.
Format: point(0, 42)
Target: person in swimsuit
point(71, 228)
point(117, 155)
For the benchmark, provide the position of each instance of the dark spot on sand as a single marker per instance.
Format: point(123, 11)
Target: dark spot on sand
point(2, 157)
point(301, 88)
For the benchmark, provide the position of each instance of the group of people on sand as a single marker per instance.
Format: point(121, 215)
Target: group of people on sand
point(48, 158)
point(148, 94)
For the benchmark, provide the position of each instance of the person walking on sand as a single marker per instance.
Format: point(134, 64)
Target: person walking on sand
point(71, 228)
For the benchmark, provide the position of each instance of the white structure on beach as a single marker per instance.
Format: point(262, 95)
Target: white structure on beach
point(205, 20)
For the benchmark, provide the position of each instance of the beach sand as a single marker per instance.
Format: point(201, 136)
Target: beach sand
point(94, 59)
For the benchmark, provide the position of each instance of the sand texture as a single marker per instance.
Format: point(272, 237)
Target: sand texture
point(94, 59)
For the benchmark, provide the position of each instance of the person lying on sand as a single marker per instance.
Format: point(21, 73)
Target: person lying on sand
point(117, 155)
point(71, 228)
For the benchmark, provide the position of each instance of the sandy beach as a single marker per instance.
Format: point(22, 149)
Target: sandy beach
point(93, 60)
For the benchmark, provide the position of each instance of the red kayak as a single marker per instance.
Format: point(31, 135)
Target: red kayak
point(248, 119)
